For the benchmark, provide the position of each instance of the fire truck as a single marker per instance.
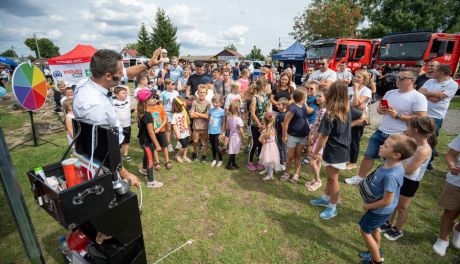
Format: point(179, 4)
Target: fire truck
point(405, 49)
point(355, 52)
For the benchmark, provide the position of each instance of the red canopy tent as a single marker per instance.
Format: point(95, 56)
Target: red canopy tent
point(73, 65)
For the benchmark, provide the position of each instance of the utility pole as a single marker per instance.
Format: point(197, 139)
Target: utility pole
point(14, 52)
point(279, 43)
point(36, 44)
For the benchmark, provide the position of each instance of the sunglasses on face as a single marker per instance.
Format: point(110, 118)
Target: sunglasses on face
point(418, 66)
point(322, 64)
point(402, 78)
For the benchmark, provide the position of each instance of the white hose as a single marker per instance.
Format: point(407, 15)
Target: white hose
point(183, 245)
point(140, 193)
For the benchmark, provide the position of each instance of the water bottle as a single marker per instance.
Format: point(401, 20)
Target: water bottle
point(65, 247)
point(39, 171)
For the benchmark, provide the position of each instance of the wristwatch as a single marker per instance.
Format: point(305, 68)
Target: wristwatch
point(147, 65)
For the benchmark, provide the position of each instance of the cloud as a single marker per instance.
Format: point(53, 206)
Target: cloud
point(88, 37)
point(235, 33)
point(196, 39)
point(53, 34)
point(24, 8)
point(56, 18)
point(184, 16)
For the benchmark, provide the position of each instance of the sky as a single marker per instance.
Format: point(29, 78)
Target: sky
point(203, 27)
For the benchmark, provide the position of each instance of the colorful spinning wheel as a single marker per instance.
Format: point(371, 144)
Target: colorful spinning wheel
point(29, 86)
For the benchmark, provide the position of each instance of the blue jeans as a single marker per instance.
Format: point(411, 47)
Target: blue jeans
point(282, 148)
point(375, 141)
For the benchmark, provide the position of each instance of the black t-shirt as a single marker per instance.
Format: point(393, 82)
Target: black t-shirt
point(193, 81)
point(144, 137)
point(298, 127)
point(280, 94)
point(420, 81)
point(337, 148)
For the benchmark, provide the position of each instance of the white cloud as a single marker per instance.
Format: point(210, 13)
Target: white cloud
point(56, 18)
point(235, 33)
point(88, 37)
point(54, 34)
point(87, 15)
point(184, 16)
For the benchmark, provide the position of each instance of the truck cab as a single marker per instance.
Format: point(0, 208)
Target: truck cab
point(354, 52)
point(405, 49)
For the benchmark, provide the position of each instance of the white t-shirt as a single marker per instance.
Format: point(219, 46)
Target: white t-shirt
point(420, 171)
point(438, 110)
point(405, 104)
point(179, 120)
point(229, 99)
point(327, 75)
point(345, 75)
point(362, 92)
point(123, 111)
point(454, 179)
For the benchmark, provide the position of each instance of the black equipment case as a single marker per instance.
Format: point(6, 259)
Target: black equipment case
point(79, 203)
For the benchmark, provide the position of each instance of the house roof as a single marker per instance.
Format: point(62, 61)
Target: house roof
point(131, 52)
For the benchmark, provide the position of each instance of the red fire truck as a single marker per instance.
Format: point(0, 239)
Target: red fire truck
point(405, 49)
point(355, 52)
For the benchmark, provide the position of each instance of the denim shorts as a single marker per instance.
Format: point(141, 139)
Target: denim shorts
point(375, 141)
point(371, 221)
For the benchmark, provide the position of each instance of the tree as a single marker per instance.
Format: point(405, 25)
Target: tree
point(164, 34)
point(144, 46)
point(131, 46)
point(327, 19)
point(274, 51)
point(385, 16)
point(46, 46)
point(9, 53)
point(230, 47)
point(255, 54)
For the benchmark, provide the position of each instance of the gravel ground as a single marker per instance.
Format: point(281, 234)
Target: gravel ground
point(451, 122)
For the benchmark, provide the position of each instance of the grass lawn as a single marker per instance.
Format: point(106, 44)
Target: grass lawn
point(455, 103)
point(235, 217)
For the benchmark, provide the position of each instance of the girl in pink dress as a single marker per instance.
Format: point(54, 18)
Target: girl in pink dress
point(235, 128)
point(269, 155)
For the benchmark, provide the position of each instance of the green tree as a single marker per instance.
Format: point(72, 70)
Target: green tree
point(274, 51)
point(46, 46)
point(9, 53)
point(144, 46)
point(131, 46)
point(255, 54)
point(230, 47)
point(164, 34)
point(327, 19)
point(385, 16)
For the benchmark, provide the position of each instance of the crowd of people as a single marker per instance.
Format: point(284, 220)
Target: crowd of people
point(280, 125)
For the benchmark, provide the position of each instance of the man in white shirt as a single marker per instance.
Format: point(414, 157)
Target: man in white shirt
point(439, 91)
point(324, 74)
point(404, 103)
point(92, 98)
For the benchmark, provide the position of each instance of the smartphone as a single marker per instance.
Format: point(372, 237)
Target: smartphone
point(384, 103)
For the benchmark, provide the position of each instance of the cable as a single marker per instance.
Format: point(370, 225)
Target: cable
point(183, 245)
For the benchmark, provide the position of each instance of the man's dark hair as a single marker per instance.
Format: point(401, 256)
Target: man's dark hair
point(444, 69)
point(104, 61)
point(324, 58)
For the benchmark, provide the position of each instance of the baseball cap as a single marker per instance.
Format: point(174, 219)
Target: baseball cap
point(206, 80)
point(143, 95)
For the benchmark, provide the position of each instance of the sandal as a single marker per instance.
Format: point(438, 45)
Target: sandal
point(179, 159)
point(315, 186)
point(168, 165)
point(157, 166)
point(285, 176)
point(309, 183)
point(294, 179)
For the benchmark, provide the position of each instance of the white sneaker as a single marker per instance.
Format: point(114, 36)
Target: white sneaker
point(170, 148)
point(456, 236)
point(263, 172)
point(219, 163)
point(143, 171)
point(267, 178)
point(154, 184)
point(282, 167)
point(440, 247)
point(213, 163)
point(353, 180)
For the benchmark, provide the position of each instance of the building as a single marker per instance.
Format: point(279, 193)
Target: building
point(128, 53)
point(227, 55)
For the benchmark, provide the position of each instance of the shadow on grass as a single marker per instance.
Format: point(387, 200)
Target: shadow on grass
point(306, 229)
point(8, 223)
point(51, 247)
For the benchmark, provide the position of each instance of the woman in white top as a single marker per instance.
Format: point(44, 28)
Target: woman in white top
point(67, 107)
point(359, 96)
point(422, 129)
